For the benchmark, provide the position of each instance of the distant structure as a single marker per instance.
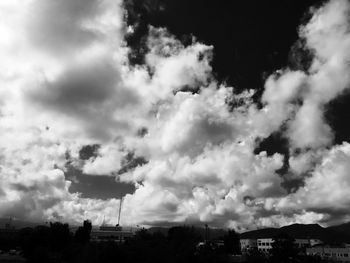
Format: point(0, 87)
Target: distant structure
point(8, 225)
point(248, 245)
point(111, 233)
point(9, 231)
point(330, 253)
point(120, 210)
point(264, 245)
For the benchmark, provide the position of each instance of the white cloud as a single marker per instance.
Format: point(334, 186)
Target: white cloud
point(107, 162)
point(327, 35)
point(309, 128)
point(65, 27)
point(325, 192)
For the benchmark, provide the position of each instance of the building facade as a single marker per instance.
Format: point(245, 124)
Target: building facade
point(110, 233)
point(315, 241)
point(248, 244)
point(265, 244)
point(339, 254)
point(302, 243)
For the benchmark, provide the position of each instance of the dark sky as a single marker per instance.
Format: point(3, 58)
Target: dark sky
point(249, 37)
point(251, 40)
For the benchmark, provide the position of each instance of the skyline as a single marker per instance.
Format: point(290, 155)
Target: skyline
point(190, 124)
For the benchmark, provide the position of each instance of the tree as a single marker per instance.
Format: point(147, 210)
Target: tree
point(283, 249)
point(60, 236)
point(255, 256)
point(182, 243)
point(82, 235)
point(231, 242)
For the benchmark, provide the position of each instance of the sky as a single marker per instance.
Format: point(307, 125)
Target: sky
point(230, 114)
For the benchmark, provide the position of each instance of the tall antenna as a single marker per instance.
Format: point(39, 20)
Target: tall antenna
point(120, 209)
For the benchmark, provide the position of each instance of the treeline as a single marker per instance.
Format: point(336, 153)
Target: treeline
point(55, 243)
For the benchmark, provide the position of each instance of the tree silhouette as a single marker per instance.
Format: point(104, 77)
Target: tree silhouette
point(231, 242)
point(283, 249)
point(182, 243)
point(82, 235)
point(60, 236)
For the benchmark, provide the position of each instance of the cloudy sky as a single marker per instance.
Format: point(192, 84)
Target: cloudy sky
point(232, 114)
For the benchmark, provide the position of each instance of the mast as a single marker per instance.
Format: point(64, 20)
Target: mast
point(120, 209)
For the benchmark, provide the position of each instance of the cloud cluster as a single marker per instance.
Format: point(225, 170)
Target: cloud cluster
point(184, 140)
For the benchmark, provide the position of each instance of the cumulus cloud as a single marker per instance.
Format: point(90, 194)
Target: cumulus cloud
point(65, 27)
point(327, 36)
point(107, 162)
point(325, 190)
point(184, 140)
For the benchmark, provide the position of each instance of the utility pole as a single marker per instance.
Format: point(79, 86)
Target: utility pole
point(120, 209)
point(206, 233)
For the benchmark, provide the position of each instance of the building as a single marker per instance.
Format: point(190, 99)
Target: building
point(248, 244)
point(265, 244)
point(315, 241)
point(9, 231)
point(339, 254)
point(110, 233)
point(302, 243)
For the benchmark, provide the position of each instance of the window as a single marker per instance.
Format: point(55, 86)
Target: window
point(346, 255)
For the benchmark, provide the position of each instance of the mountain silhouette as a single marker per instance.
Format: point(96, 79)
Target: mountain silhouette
point(333, 234)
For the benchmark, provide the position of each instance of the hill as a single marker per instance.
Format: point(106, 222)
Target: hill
point(17, 223)
point(214, 233)
point(333, 234)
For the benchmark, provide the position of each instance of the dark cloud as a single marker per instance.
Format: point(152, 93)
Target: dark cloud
point(142, 132)
point(275, 143)
point(333, 215)
point(130, 162)
point(30, 203)
point(90, 93)
point(80, 88)
point(88, 151)
point(97, 187)
point(292, 183)
point(264, 213)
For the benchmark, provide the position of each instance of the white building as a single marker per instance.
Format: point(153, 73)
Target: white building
point(110, 233)
point(302, 243)
point(315, 241)
point(341, 254)
point(248, 244)
point(265, 244)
